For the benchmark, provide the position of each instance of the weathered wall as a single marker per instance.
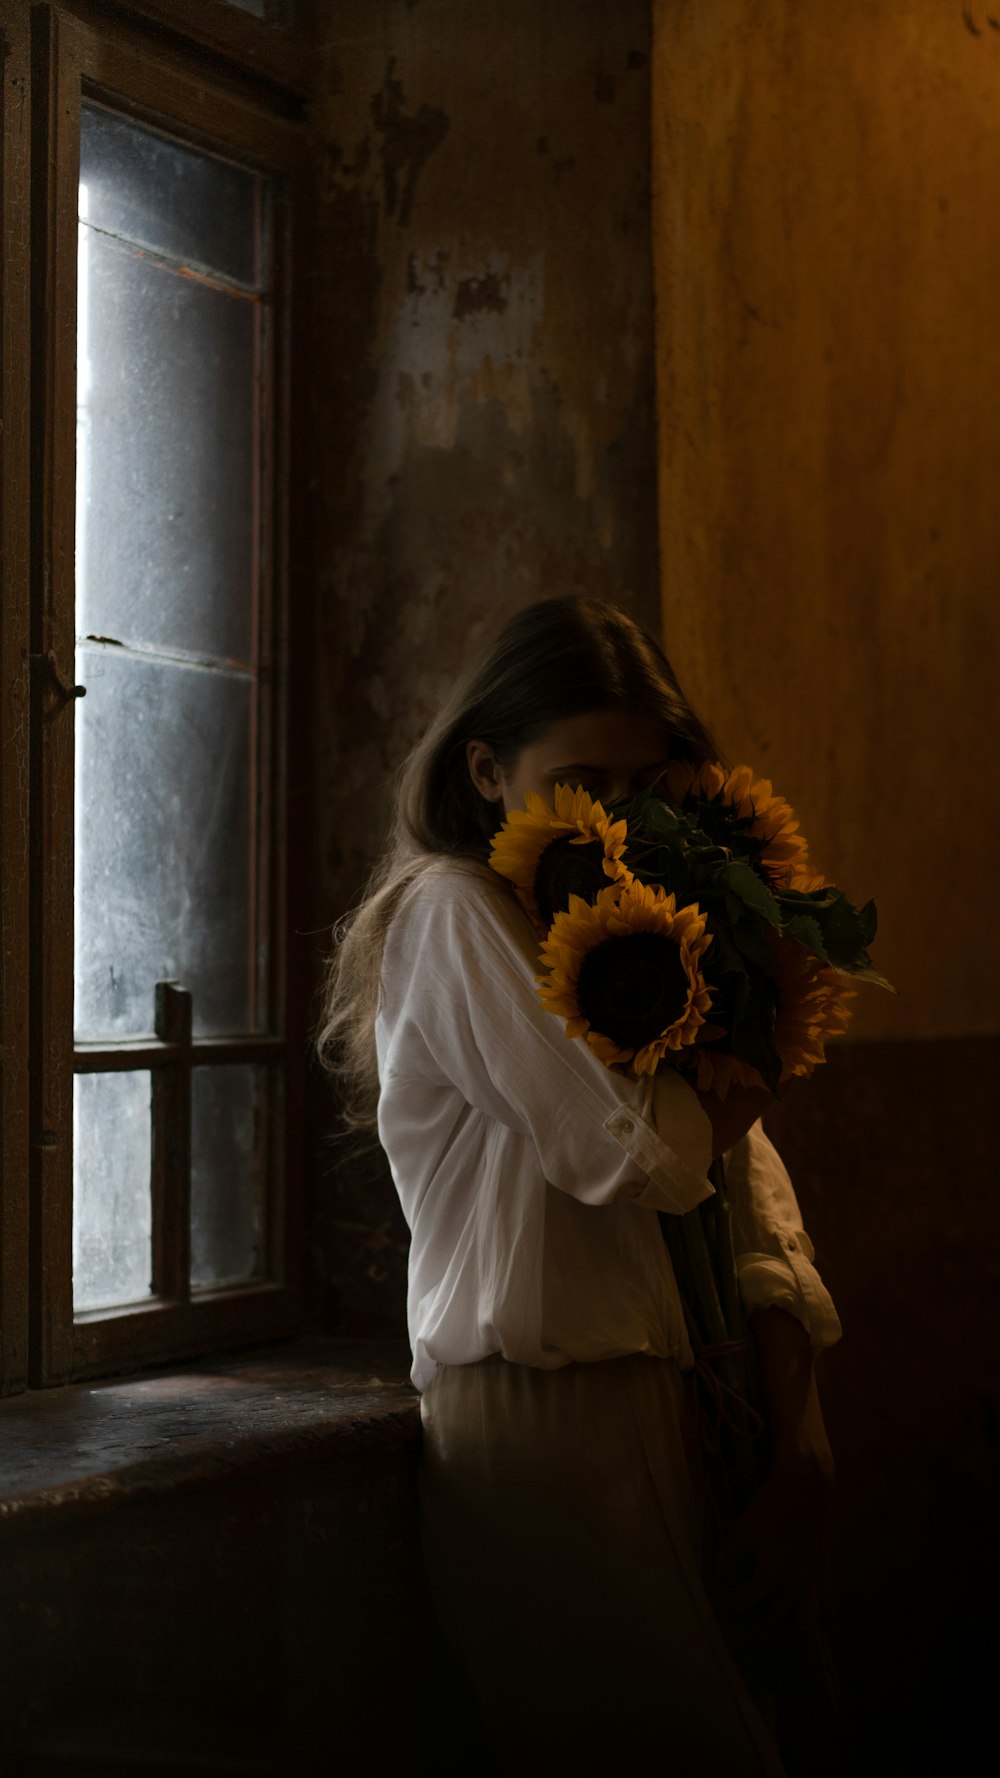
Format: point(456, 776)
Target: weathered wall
point(828, 259)
point(483, 279)
point(825, 186)
point(484, 390)
point(826, 266)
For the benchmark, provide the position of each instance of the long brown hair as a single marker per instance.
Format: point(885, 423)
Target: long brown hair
point(560, 658)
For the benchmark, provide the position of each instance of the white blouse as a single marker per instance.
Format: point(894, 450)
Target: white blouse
point(528, 1171)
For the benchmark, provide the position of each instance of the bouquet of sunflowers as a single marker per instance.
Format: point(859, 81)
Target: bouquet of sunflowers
point(684, 928)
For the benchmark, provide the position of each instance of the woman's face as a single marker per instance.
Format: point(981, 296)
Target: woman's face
point(612, 753)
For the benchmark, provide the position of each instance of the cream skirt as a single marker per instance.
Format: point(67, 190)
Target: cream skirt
point(562, 1536)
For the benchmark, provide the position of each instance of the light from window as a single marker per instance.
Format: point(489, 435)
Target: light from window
point(112, 1228)
point(172, 318)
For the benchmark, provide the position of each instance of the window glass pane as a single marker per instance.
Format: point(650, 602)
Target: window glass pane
point(166, 456)
point(163, 851)
point(227, 1150)
point(112, 1215)
point(178, 201)
point(172, 354)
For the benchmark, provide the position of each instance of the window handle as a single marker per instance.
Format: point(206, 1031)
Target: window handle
point(45, 665)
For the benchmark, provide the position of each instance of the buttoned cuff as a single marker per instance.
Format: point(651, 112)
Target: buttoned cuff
point(674, 1149)
point(787, 1279)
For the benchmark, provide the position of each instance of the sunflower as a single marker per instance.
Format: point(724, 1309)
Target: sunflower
point(811, 1007)
point(625, 973)
point(771, 821)
point(806, 880)
point(550, 854)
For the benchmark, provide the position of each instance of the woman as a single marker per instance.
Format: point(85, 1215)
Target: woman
point(563, 1515)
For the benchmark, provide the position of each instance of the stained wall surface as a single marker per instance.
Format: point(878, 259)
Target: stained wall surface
point(828, 256)
point(482, 289)
point(825, 187)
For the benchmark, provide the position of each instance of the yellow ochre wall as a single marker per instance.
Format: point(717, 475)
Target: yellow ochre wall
point(827, 234)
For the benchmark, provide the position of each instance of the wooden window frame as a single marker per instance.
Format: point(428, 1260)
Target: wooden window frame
point(274, 48)
point(15, 171)
point(79, 53)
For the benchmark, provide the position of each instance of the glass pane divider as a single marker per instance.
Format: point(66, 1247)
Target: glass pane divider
point(173, 657)
point(184, 268)
point(154, 1052)
point(170, 1175)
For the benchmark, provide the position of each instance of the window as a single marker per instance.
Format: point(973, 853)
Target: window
point(152, 514)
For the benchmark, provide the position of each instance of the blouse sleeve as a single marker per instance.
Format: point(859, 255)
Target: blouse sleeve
point(774, 1255)
point(459, 1005)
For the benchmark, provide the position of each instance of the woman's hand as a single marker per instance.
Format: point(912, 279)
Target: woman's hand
point(734, 1115)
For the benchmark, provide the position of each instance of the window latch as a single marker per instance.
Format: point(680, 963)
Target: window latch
point(44, 666)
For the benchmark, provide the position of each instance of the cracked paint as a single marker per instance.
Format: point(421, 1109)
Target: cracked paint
point(407, 142)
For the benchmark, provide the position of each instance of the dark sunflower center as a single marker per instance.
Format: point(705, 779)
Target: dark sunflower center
point(632, 989)
point(565, 869)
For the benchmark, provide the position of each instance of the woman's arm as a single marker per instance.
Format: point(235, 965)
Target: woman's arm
point(774, 1255)
point(776, 1557)
point(799, 1442)
point(460, 1012)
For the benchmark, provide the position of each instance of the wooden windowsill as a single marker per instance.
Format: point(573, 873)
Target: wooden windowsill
point(88, 1446)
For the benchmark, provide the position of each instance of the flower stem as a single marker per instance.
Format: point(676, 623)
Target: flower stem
point(701, 1249)
point(732, 1305)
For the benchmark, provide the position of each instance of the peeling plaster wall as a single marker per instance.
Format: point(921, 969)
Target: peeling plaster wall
point(482, 285)
point(485, 393)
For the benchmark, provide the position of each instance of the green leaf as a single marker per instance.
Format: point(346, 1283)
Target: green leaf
point(809, 897)
point(651, 820)
point(868, 921)
point(806, 930)
point(723, 955)
point(845, 932)
point(743, 882)
point(865, 973)
point(646, 816)
point(748, 934)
